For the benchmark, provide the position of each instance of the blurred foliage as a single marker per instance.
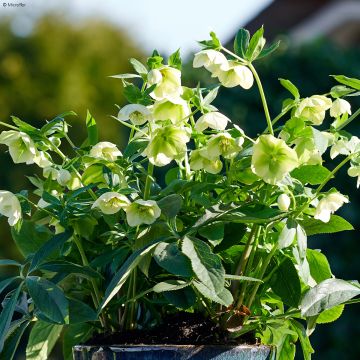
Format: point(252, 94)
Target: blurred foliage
point(308, 67)
point(60, 66)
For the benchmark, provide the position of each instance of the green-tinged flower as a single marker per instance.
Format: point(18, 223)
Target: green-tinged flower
point(111, 202)
point(42, 159)
point(168, 83)
point(175, 110)
point(235, 75)
point(63, 177)
point(50, 172)
point(345, 147)
point(340, 107)
point(308, 153)
point(142, 212)
point(354, 171)
point(136, 113)
point(200, 162)
point(213, 120)
point(283, 202)
point(211, 60)
point(272, 159)
point(328, 205)
point(105, 150)
point(10, 207)
point(313, 108)
point(223, 144)
point(21, 147)
point(166, 144)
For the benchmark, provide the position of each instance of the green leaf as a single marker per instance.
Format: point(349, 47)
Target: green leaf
point(175, 60)
point(285, 283)
point(241, 42)
point(336, 224)
point(241, 278)
point(268, 50)
point(92, 130)
point(330, 315)
point(319, 266)
point(48, 248)
point(43, 337)
point(155, 61)
point(49, 299)
point(75, 335)
point(139, 67)
point(30, 237)
point(6, 316)
point(170, 285)
point(170, 205)
point(311, 174)
point(339, 91)
point(132, 93)
point(182, 299)
point(206, 265)
point(13, 338)
point(125, 76)
point(233, 234)
point(7, 262)
point(66, 267)
point(80, 312)
point(214, 43)
point(25, 127)
point(135, 147)
point(327, 294)
point(288, 85)
point(288, 234)
point(6, 282)
point(304, 339)
point(352, 82)
point(256, 44)
point(213, 232)
point(169, 257)
point(123, 273)
point(224, 297)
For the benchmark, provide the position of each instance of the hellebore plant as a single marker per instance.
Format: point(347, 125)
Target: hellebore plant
point(113, 241)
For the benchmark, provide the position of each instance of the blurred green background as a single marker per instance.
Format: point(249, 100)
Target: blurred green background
point(63, 66)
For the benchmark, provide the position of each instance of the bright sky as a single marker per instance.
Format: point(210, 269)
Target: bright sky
point(161, 24)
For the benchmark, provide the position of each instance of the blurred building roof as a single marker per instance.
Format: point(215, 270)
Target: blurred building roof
point(305, 20)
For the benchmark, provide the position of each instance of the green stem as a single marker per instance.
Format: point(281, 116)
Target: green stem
point(349, 120)
point(263, 98)
point(148, 182)
point(277, 118)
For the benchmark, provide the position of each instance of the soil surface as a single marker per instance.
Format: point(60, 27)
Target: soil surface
point(179, 329)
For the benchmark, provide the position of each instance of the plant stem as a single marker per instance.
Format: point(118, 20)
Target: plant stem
point(349, 120)
point(148, 182)
point(262, 273)
point(96, 295)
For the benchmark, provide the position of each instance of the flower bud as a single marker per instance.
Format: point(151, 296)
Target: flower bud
point(213, 120)
point(142, 212)
point(10, 207)
point(313, 108)
point(236, 75)
point(211, 60)
point(283, 202)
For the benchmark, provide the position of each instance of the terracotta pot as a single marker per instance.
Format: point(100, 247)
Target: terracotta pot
point(171, 352)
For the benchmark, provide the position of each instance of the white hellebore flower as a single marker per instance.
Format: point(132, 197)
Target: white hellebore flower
point(354, 171)
point(142, 212)
point(328, 205)
point(10, 207)
point(345, 147)
point(167, 143)
point(313, 108)
point(340, 107)
point(168, 83)
point(50, 172)
point(283, 202)
point(105, 150)
point(21, 147)
point(213, 120)
point(175, 110)
point(136, 113)
point(223, 144)
point(211, 60)
point(199, 162)
point(235, 75)
point(63, 177)
point(42, 159)
point(272, 159)
point(111, 202)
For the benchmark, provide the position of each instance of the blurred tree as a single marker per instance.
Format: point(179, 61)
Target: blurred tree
point(60, 66)
point(308, 67)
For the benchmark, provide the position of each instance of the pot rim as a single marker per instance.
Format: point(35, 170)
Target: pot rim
point(171, 346)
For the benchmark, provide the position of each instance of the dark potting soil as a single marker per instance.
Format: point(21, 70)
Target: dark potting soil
point(179, 329)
